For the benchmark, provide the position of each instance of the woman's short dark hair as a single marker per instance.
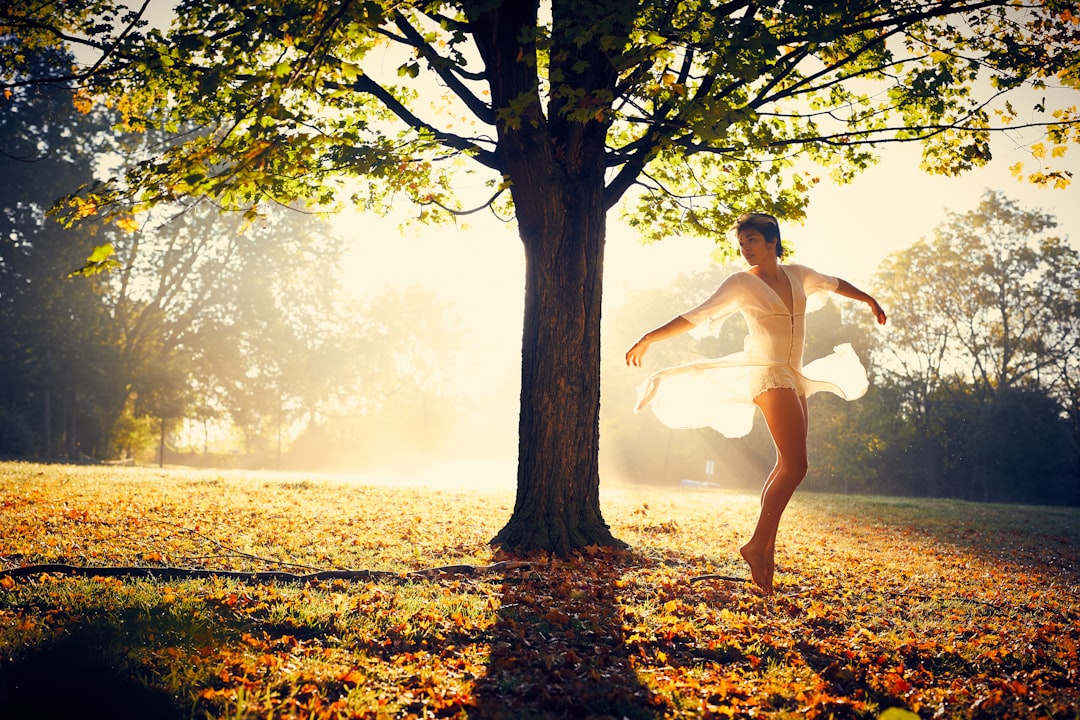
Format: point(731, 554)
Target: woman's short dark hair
point(765, 224)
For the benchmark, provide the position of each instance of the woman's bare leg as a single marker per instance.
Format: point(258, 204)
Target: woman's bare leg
point(786, 415)
point(776, 468)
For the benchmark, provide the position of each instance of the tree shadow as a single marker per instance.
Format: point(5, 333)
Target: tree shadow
point(74, 678)
point(558, 648)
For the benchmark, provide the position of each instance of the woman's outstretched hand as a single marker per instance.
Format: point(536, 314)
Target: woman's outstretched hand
point(850, 291)
point(636, 353)
point(879, 313)
point(675, 326)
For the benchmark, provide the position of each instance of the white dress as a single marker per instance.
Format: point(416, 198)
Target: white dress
point(719, 393)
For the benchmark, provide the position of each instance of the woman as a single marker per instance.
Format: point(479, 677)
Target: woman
point(768, 374)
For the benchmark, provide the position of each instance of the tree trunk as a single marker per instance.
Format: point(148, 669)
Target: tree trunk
point(558, 480)
point(46, 412)
point(556, 166)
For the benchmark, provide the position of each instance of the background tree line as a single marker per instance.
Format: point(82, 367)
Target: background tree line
point(202, 319)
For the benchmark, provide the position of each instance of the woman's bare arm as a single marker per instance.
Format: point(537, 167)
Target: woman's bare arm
point(676, 326)
point(850, 291)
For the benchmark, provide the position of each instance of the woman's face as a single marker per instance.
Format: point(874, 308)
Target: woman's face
point(755, 249)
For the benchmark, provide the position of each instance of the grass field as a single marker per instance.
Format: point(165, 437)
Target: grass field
point(946, 609)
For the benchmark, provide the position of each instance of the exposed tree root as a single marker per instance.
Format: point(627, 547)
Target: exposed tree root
point(181, 573)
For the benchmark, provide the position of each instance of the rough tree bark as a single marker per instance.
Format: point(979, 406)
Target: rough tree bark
point(558, 505)
point(555, 165)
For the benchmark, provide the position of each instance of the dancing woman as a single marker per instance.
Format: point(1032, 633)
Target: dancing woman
point(769, 373)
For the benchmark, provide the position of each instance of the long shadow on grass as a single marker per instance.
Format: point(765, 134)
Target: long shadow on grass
point(77, 678)
point(558, 647)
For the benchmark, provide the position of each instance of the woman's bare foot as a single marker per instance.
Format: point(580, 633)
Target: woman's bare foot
point(761, 567)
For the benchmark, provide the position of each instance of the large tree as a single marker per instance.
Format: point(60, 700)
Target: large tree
point(987, 305)
point(686, 112)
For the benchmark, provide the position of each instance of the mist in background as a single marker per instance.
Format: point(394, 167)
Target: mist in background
point(381, 348)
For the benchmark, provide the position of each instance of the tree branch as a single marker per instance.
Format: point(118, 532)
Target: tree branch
point(365, 84)
point(116, 44)
point(870, 137)
point(943, 9)
point(441, 66)
point(461, 213)
point(659, 131)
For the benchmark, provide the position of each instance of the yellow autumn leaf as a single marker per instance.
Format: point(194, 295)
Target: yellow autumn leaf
point(85, 208)
point(1038, 150)
point(82, 102)
point(127, 223)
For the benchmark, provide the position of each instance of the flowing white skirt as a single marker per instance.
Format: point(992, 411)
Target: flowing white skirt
point(719, 393)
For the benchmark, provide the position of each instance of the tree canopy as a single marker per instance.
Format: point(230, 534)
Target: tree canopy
point(681, 113)
point(705, 108)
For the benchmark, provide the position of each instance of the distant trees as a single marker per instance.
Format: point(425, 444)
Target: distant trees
point(984, 327)
point(204, 317)
point(399, 405)
point(57, 396)
point(234, 313)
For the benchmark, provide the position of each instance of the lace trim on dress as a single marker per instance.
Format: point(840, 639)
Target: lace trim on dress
point(775, 376)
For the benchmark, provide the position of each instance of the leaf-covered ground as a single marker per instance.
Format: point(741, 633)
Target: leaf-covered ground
point(947, 609)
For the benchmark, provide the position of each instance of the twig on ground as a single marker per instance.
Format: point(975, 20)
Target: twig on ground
point(231, 551)
point(729, 578)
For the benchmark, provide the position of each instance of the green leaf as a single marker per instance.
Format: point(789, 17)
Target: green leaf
point(101, 253)
point(102, 259)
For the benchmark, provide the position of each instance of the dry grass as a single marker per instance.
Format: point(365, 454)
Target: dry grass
point(948, 609)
